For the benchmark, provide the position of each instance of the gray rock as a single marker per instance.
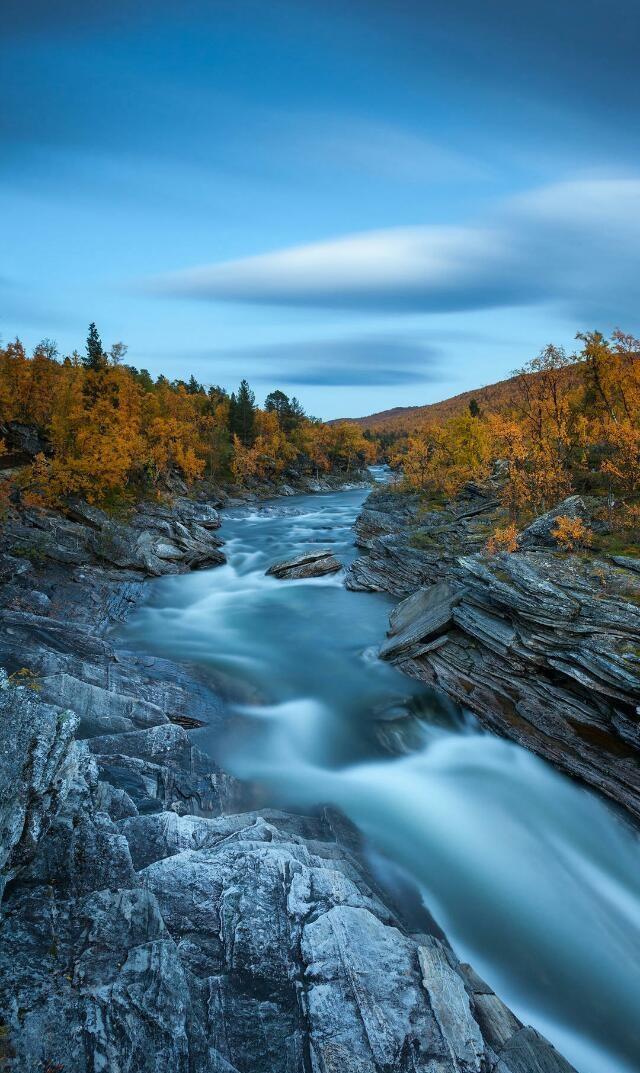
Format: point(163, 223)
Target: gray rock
point(420, 618)
point(37, 764)
point(545, 648)
point(307, 564)
point(540, 532)
point(157, 918)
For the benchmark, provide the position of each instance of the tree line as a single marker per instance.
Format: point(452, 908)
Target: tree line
point(564, 423)
point(111, 429)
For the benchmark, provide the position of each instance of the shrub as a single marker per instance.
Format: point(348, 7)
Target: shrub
point(503, 539)
point(571, 533)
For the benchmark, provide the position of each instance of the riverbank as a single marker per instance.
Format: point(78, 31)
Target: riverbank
point(153, 919)
point(543, 646)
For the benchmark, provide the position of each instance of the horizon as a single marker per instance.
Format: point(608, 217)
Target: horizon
point(365, 207)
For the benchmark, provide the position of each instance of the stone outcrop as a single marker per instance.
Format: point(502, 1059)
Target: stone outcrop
point(543, 646)
point(155, 540)
point(139, 938)
point(307, 564)
point(157, 919)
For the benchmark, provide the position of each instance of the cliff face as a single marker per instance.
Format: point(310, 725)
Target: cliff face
point(155, 920)
point(543, 646)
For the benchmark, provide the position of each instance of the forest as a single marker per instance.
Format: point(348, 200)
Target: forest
point(112, 433)
point(562, 424)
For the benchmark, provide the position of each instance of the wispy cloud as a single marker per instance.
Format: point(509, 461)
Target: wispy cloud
point(576, 244)
point(381, 359)
point(374, 149)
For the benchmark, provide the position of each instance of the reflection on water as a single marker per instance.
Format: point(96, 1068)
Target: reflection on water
point(534, 880)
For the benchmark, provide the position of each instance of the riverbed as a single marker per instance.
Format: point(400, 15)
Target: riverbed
point(533, 879)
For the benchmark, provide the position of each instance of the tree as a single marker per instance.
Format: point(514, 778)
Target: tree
point(193, 387)
point(48, 348)
point(289, 411)
point(118, 353)
point(95, 359)
point(474, 409)
point(242, 414)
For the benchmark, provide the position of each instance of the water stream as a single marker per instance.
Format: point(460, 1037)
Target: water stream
point(534, 880)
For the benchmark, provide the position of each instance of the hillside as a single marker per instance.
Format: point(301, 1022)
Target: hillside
point(501, 396)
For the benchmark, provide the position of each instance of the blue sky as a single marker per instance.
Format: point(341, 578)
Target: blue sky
point(366, 204)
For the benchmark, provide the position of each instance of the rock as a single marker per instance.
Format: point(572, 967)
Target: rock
point(544, 648)
point(540, 532)
point(37, 765)
point(86, 514)
point(193, 513)
point(389, 512)
point(420, 618)
point(627, 562)
point(100, 710)
point(159, 540)
point(157, 918)
point(25, 441)
point(451, 1005)
point(308, 564)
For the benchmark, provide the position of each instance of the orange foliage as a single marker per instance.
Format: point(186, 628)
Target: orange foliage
point(111, 428)
point(503, 539)
point(563, 423)
point(571, 533)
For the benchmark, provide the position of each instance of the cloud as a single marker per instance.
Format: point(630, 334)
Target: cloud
point(377, 149)
point(383, 360)
point(575, 244)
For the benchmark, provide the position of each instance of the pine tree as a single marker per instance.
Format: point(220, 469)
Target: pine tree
point(289, 411)
point(193, 387)
point(96, 358)
point(242, 414)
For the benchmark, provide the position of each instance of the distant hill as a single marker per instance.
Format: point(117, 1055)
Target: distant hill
point(494, 397)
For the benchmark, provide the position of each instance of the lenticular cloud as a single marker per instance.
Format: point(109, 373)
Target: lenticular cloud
point(561, 243)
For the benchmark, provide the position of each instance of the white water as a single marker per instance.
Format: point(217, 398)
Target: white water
point(534, 880)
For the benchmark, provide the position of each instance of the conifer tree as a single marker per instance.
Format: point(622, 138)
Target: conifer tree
point(242, 414)
point(96, 358)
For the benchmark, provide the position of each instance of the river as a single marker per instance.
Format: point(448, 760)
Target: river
point(533, 879)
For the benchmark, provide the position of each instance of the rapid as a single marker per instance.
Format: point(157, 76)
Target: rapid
point(534, 880)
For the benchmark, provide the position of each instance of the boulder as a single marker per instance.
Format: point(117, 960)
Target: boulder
point(540, 533)
point(308, 564)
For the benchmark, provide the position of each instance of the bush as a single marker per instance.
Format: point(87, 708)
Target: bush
point(571, 533)
point(503, 539)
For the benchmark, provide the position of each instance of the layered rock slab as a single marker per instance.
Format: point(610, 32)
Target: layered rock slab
point(306, 565)
point(543, 646)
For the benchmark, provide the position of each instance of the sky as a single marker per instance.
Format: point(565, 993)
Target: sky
point(365, 203)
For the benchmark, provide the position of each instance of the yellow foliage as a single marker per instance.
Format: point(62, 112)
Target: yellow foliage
point(110, 428)
point(503, 539)
point(571, 533)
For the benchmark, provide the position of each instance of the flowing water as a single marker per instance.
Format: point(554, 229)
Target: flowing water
point(534, 880)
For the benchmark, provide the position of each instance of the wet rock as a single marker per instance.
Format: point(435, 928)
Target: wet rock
point(308, 564)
